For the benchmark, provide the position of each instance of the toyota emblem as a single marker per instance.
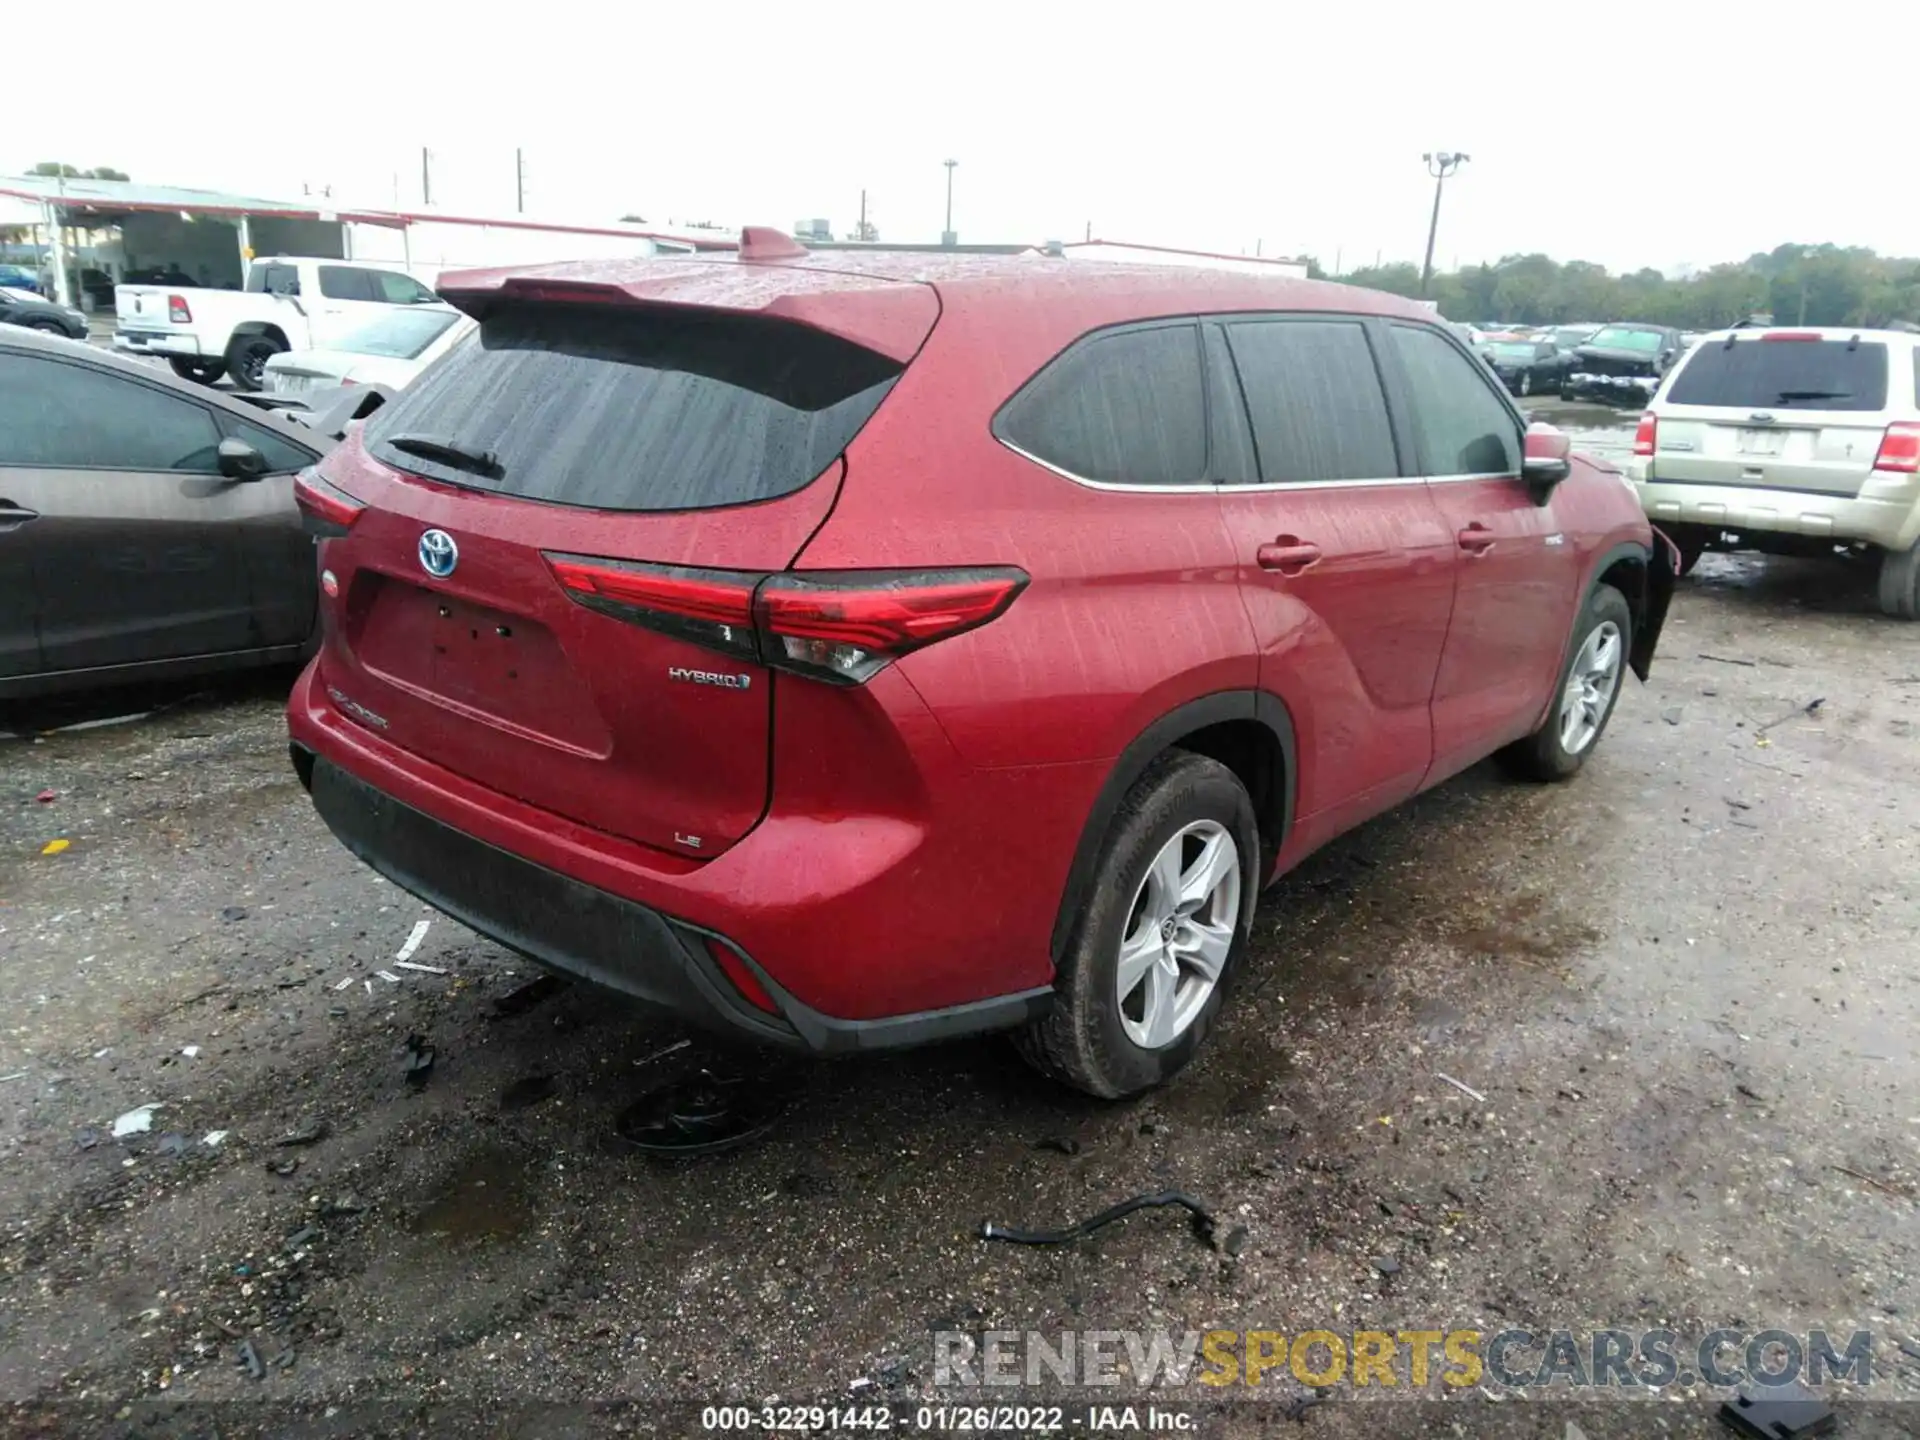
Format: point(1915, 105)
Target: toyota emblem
point(438, 553)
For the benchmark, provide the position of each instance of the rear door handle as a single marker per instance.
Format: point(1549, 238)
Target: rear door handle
point(1476, 539)
point(1288, 554)
point(13, 516)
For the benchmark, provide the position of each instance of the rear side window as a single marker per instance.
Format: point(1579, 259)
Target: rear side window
point(344, 282)
point(1784, 375)
point(630, 409)
point(1314, 396)
point(1464, 427)
point(1123, 408)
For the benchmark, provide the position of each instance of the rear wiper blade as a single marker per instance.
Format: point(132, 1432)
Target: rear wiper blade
point(1815, 395)
point(448, 452)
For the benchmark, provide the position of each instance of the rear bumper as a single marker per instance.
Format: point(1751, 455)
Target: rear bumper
point(643, 934)
point(154, 342)
point(1621, 390)
point(1885, 513)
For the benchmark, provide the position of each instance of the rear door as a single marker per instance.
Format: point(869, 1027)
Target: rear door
point(1345, 564)
point(134, 544)
point(1518, 571)
point(1780, 410)
point(353, 295)
point(668, 452)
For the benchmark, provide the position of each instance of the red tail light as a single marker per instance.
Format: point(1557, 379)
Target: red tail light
point(1900, 449)
point(177, 310)
point(1644, 436)
point(1790, 335)
point(743, 978)
point(842, 626)
point(846, 626)
point(325, 511)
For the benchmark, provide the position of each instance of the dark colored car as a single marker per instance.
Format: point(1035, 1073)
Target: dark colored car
point(1622, 365)
point(855, 652)
point(147, 525)
point(1528, 367)
point(23, 308)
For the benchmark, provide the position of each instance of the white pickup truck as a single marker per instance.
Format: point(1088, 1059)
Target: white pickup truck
point(289, 303)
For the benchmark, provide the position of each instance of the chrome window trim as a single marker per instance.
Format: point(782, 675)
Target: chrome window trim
point(1207, 488)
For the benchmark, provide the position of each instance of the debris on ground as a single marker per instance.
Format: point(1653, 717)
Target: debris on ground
point(173, 1144)
point(1728, 660)
point(47, 797)
point(1810, 708)
point(135, 1122)
point(701, 1114)
point(523, 998)
point(249, 1361)
point(419, 1060)
point(16, 1075)
point(54, 847)
point(1235, 1242)
point(232, 913)
point(1673, 714)
point(343, 984)
point(1781, 1412)
point(662, 1053)
point(1385, 1264)
point(527, 1092)
point(283, 1167)
point(388, 976)
point(1203, 1222)
point(306, 1234)
point(418, 934)
point(87, 1138)
point(423, 969)
point(192, 1052)
point(1060, 1144)
point(1464, 1089)
point(213, 1138)
point(308, 1133)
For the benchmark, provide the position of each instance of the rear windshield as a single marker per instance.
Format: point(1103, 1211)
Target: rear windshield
point(1616, 337)
point(400, 335)
point(1785, 375)
point(616, 409)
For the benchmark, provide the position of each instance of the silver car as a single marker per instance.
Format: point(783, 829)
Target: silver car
point(388, 350)
point(1790, 441)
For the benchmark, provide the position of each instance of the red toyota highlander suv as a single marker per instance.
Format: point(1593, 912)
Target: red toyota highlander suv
point(854, 651)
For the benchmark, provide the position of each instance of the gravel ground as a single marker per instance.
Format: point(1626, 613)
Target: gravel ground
point(1683, 985)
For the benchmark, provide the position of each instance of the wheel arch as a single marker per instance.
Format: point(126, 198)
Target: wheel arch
point(1629, 568)
point(1248, 731)
point(248, 328)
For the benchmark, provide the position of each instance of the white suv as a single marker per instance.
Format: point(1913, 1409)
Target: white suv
point(1792, 442)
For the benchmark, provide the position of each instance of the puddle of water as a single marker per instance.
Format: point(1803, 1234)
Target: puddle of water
point(485, 1199)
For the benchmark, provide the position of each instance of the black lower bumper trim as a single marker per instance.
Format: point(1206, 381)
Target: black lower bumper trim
point(606, 939)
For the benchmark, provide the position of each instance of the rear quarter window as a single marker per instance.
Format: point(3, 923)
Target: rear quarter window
point(1124, 408)
point(1762, 374)
point(639, 410)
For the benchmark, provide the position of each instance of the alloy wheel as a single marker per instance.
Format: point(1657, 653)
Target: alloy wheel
point(1183, 920)
point(1590, 686)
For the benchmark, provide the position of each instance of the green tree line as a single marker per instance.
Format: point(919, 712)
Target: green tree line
point(1796, 284)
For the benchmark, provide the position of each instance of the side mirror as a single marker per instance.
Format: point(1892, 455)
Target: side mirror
point(240, 461)
point(1547, 460)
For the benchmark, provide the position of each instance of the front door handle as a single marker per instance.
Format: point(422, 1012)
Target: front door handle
point(1288, 554)
point(13, 516)
point(1476, 539)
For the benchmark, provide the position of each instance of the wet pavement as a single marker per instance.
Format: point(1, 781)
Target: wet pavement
point(1682, 988)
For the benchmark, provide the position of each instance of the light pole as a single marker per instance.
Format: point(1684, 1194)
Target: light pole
point(1440, 164)
point(947, 237)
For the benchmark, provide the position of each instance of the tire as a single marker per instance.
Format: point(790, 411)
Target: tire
point(1526, 382)
point(1558, 749)
point(47, 327)
point(1092, 1038)
point(202, 372)
point(247, 360)
point(1900, 583)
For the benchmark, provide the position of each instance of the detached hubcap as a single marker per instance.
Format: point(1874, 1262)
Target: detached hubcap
point(1180, 929)
point(1590, 686)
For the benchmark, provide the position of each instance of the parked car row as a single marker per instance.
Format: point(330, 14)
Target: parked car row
point(29, 310)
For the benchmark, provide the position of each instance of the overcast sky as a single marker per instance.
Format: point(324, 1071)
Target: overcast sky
point(1679, 132)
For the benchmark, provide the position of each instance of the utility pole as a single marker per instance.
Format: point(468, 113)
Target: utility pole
point(947, 236)
point(1336, 262)
point(1089, 232)
point(1440, 164)
point(861, 233)
point(426, 179)
point(519, 180)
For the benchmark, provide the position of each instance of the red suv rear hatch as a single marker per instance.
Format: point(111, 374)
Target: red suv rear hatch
point(683, 421)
